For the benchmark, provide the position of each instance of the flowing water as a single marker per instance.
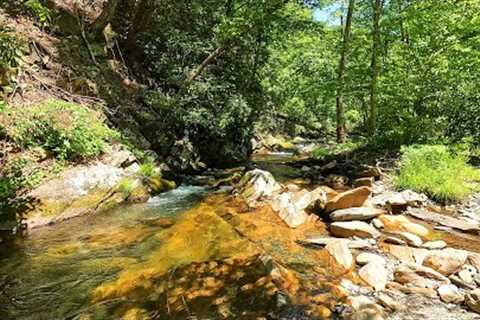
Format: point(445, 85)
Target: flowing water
point(186, 254)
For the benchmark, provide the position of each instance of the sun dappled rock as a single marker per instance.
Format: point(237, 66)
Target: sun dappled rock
point(394, 223)
point(366, 258)
point(348, 199)
point(450, 294)
point(353, 229)
point(341, 253)
point(435, 245)
point(257, 184)
point(419, 276)
point(446, 261)
point(374, 274)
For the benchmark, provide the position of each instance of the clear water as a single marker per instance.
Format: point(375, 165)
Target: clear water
point(51, 273)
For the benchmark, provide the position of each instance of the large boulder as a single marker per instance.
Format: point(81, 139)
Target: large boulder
point(77, 191)
point(257, 185)
point(352, 198)
point(353, 229)
point(292, 206)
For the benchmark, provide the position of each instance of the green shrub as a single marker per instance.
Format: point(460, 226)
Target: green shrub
point(19, 174)
point(320, 153)
point(69, 130)
point(10, 49)
point(126, 186)
point(147, 170)
point(437, 171)
point(39, 11)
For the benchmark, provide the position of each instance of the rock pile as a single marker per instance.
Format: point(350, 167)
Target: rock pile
point(382, 239)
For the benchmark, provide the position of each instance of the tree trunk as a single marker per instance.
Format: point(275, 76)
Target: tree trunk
point(212, 56)
point(341, 130)
point(377, 11)
point(141, 20)
point(104, 18)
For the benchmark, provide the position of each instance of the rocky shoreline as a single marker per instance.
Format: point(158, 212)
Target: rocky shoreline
point(391, 241)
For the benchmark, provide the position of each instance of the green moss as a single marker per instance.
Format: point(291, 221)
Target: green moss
point(437, 171)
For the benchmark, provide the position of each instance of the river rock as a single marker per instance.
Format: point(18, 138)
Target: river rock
point(256, 185)
point(377, 223)
point(287, 210)
point(323, 241)
point(353, 229)
point(363, 308)
point(76, 191)
point(435, 245)
point(390, 300)
point(394, 223)
point(291, 206)
point(474, 260)
point(341, 253)
point(450, 294)
point(411, 239)
point(467, 274)
point(366, 258)
point(348, 199)
point(419, 276)
point(399, 201)
point(473, 300)
point(364, 182)
point(359, 213)
point(446, 261)
point(374, 274)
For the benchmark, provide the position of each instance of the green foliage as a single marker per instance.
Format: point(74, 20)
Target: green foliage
point(11, 49)
point(299, 75)
point(18, 174)
point(69, 130)
point(437, 171)
point(39, 11)
point(147, 170)
point(336, 149)
point(126, 186)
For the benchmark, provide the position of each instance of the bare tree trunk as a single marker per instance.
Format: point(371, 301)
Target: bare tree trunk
point(341, 130)
point(377, 11)
point(212, 56)
point(105, 17)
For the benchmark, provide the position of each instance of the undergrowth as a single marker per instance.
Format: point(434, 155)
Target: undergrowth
point(438, 171)
point(70, 131)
